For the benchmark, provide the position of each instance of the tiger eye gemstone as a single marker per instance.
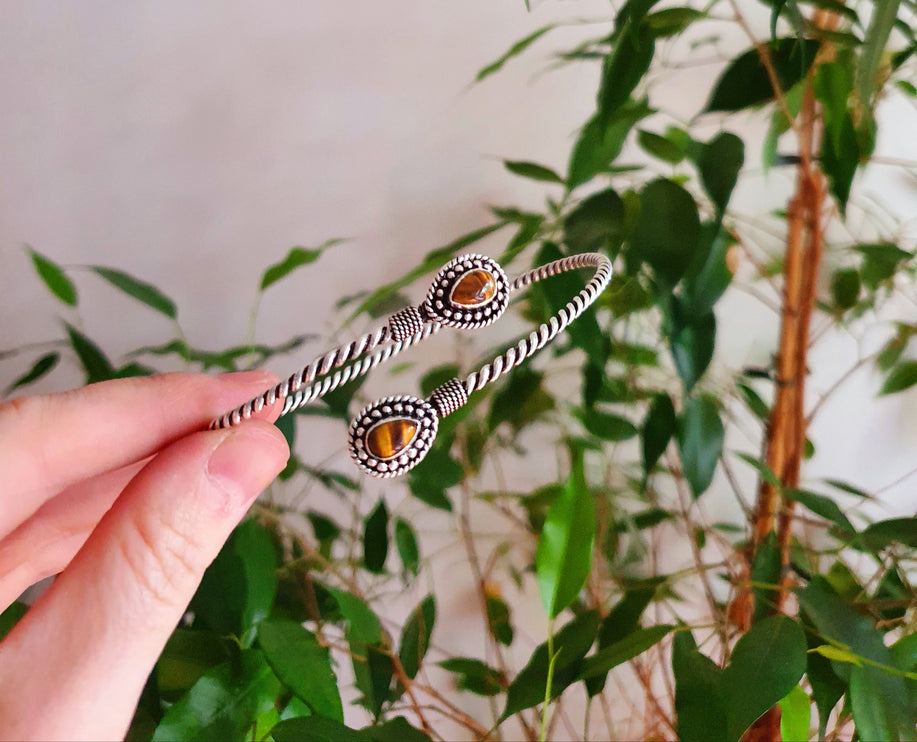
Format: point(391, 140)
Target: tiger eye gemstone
point(474, 288)
point(389, 438)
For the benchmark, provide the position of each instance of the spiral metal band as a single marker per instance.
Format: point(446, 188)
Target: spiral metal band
point(413, 325)
point(447, 398)
point(406, 322)
point(294, 394)
point(546, 332)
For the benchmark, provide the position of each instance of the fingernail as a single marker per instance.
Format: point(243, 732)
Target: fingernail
point(247, 461)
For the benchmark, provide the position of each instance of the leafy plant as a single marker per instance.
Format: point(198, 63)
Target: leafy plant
point(764, 622)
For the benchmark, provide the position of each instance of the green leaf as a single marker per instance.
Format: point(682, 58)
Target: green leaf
point(224, 703)
point(238, 588)
point(436, 377)
point(319, 729)
point(40, 368)
point(708, 275)
point(757, 405)
point(621, 621)
point(607, 426)
point(287, 426)
point(430, 479)
point(873, 713)
point(394, 730)
point(375, 538)
point(719, 163)
point(845, 288)
point(827, 687)
point(363, 623)
point(879, 536)
point(597, 223)
point(700, 442)
point(296, 258)
point(767, 474)
point(415, 638)
point(133, 370)
point(564, 555)
point(142, 291)
point(514, 51)
point(408, 551)
point(533, 171)
point(881, 261)
point(847, 487)
point(667, 230)
point(880, 698)
point(745, 82)
point(520, 401)
point(11, 616)
point(95, 363)
point(600, 143)
point(881, 22)
point(570, 645)
point(766, 568)
point(658, 429)
point(316, 729)
point(823, 506)
point(529, 231)
point(839, 160)
point(838, 655)
point(795, 710)
point(839, 149)
point(373, 670)
point(904, 652)
point(435, 497)
point(475, 676)
point(660, 147)
point(498, 619)
point(187, 655)
point(621, 651)
point(903, 376)
point(255, 546)
point(648, 518)
point(54, 278)
point(766, 664)
point(624, 68)
point(672, 21)
point(302, 664)
point(700, 714)
point(692, 341)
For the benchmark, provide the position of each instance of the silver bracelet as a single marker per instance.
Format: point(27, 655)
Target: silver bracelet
point(391, 436)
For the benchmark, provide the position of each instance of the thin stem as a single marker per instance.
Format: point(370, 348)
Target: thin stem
point(552, 659)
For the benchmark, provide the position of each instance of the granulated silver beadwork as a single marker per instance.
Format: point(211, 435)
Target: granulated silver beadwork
point(453, 301)
point(391, 436)
point(447, 398)
point(405, 322)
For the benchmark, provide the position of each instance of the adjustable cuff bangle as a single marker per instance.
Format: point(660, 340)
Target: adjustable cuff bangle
point(391, 436)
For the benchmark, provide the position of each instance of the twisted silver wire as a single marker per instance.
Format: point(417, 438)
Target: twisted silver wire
point(301, 387)
point(547, 331)
point(320, 367)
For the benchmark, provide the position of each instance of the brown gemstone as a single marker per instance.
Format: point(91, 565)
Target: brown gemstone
point(389, 438)
point(475, 288)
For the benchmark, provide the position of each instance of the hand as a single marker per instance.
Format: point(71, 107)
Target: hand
point(115, 487)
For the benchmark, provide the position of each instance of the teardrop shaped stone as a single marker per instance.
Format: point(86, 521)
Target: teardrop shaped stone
point(389, 438)
point(475, 288)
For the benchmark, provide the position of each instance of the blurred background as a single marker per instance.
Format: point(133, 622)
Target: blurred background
point(192, 144)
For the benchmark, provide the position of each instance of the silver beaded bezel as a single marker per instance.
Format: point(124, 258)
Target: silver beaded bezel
point(440, 307)
point(404, 407)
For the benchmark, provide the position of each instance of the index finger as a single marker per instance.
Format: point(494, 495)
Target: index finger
point(50, 442)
